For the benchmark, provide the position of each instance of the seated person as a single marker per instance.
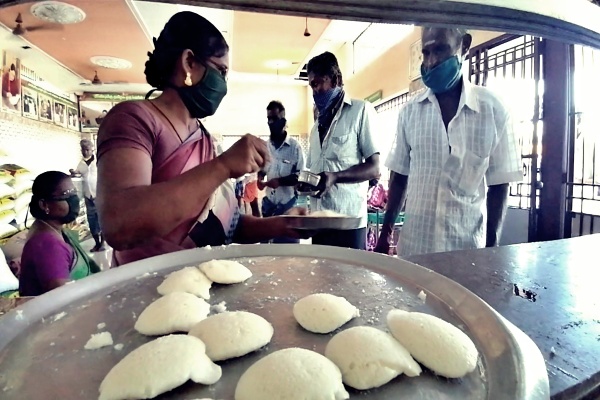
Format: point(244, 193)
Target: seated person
point(52, 256)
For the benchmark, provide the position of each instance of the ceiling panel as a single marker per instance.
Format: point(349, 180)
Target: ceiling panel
point(110, 29)
point(261, 40)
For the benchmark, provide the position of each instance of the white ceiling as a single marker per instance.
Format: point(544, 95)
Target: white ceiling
point(152, 17)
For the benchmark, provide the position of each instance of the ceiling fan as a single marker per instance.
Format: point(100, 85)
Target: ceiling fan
point(19, 29)
point(97, 81)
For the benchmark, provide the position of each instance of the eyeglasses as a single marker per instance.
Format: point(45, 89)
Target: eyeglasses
point(220, 69)
point(64, 195)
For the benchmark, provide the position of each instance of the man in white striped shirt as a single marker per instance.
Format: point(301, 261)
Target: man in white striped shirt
point(454, 155)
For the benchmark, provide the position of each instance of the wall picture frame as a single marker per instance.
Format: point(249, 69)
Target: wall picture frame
point(72, 118)
point(59, 113)
point(45, 108)
point(30, 105)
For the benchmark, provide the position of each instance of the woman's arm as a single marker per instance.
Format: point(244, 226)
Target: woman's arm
point(132, 210)
point(252, 229)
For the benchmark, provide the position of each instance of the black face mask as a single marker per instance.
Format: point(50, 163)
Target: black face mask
point(203, 98)
point(74, 206)
point(277, 127)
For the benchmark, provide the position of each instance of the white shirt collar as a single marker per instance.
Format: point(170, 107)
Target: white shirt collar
point(468, 96)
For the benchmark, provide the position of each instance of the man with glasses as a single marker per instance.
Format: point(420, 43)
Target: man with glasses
point(287, 160)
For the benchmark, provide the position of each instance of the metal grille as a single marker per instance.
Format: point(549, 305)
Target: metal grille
point(393, 104)
point(512, 66)
point(583, 183)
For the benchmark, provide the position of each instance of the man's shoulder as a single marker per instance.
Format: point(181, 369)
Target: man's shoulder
point(488, 97)
point(82, 164)
point(358, 105)
point(293, 141)
point(413, 102)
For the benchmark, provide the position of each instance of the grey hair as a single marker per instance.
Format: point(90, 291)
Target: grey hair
point(86, 143)
point(457, 32)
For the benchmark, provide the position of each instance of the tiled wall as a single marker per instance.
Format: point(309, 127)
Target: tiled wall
point(37, 146)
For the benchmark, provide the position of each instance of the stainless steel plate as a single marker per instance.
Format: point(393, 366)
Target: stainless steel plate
point(315, 223)
point(42, 356)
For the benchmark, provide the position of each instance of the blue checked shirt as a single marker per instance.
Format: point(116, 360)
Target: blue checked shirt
point(285, 160)
point(349, 142)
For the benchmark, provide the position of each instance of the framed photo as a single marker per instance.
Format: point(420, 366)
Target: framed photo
point(415, 60)
point(72, 118)
point(59, 110)
point(11, 84)
point(45, 108)
point(30, 103)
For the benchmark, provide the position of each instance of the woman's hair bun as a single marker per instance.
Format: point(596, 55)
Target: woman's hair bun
point(185, 30)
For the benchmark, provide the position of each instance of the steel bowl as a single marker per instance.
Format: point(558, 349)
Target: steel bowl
point(309, 178)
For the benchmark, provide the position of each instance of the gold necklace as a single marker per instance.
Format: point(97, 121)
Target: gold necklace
point(51, 227)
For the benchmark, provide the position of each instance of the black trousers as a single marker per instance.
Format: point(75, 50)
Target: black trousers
point(353, 238)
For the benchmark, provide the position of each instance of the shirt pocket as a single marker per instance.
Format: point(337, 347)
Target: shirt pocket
point(344, 146)
point(471, 174)
point(285, 167)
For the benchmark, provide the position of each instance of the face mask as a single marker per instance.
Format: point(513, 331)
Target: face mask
point(444, 76)
point(74, 204)
point(203, 98)
point(276, 127)
point(323, 99)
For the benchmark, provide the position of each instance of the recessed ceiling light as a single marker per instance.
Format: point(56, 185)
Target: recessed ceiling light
point(57, 12)
point(111, 62)
point(278, 64)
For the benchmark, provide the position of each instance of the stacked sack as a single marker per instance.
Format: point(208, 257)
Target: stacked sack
point(7, 206)
point(15, 195)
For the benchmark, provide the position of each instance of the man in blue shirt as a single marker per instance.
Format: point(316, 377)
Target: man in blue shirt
point(282, 173)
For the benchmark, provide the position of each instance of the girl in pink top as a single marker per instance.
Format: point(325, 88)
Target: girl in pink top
point(162, 186)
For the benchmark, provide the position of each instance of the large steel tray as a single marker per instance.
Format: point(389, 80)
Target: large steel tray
point(42, 355)
point(307, 222)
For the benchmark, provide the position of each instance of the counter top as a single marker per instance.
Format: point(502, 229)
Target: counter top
point(550, 291)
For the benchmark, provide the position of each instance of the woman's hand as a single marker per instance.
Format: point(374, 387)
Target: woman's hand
point(248, 155)
point(287, 227)
point(253, 230)
point(297, 211)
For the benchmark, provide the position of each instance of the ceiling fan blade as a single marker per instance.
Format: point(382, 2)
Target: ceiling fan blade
point(47, 27)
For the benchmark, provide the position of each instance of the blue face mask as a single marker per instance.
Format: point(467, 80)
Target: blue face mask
point(323, 99)
point(444, 76)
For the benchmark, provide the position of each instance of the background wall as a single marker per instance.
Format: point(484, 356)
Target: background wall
point(244, 109)
point(389, 72)
point(37, 146)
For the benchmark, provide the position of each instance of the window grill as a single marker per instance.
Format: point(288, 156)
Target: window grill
point(583, 182)
point(512, 65)
point(393, 104)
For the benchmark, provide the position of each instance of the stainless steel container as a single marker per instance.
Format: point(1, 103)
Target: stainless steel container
point(308, 183)
point(309, 178)
point(41, 342)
